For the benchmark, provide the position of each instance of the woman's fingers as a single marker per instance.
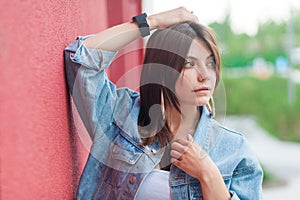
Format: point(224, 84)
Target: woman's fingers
point(190, 138)
point(175, 154)
point(170, 17)
point(177, 150)
point(180, 146)
point(179, 143)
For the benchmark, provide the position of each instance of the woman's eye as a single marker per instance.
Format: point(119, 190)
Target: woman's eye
point(189, 64)
point(211, 64)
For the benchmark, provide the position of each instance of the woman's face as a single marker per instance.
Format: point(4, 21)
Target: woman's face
point(197, 80)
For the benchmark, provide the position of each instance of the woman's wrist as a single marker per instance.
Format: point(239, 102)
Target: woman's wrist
point(214, 182)
point(209, 171)
point(207, 177)
point(152, 22)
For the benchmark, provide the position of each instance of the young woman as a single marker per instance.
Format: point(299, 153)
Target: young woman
point(161, 143)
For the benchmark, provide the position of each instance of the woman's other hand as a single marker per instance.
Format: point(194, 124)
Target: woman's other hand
point(190, 157)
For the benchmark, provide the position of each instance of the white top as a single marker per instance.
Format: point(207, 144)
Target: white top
point(155, 186)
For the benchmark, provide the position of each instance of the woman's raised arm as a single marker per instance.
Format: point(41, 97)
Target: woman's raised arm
point(116, 37)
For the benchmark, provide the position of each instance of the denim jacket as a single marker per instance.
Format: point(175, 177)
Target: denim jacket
point(117, 163)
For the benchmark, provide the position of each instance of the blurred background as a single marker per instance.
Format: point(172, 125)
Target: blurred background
point(260, 45)
point(43, 144)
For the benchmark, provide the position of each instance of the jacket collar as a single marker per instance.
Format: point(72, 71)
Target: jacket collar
point(201, 135)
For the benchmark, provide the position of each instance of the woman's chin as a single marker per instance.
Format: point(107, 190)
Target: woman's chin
point(200, 101)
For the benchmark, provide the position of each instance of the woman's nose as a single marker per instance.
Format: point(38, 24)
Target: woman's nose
point(202, 74)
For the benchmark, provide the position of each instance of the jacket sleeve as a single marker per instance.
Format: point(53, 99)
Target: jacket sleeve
point(95, 97)
point(246, 182)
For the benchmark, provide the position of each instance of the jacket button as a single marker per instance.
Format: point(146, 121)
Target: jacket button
point(153, 151)
point(132, 179)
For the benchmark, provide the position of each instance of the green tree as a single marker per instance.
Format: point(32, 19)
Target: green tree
point(239, 50)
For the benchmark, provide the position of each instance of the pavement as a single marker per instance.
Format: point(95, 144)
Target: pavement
point(282, 159)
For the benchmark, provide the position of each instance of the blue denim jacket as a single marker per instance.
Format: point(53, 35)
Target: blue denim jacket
point(117, 163)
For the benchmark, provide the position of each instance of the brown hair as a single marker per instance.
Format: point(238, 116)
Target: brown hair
point(164, 60)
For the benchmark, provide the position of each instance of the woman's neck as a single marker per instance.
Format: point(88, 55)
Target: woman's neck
point(186, 123)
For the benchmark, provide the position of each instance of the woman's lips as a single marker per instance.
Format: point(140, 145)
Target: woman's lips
point(203, 89)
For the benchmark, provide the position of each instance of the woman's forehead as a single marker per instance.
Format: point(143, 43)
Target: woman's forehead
point(198, 48)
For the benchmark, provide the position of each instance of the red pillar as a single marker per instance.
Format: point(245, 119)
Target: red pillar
point(41, 154)
point(125, 70)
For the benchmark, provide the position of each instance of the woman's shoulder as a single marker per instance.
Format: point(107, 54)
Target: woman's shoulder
point(233, 149)
point(232, 141)
point(222, 128)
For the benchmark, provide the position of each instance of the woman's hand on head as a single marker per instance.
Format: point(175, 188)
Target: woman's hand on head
point(170, 17)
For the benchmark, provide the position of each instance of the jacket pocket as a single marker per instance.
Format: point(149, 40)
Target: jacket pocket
point(125, 151)
point(124, 154)
point(123, 158)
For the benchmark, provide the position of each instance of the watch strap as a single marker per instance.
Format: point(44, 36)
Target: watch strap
point(142, 23)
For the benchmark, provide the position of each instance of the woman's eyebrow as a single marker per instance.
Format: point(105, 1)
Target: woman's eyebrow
point(194, 58)
point(210, 56)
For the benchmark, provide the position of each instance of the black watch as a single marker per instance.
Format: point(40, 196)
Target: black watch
point(142, 23)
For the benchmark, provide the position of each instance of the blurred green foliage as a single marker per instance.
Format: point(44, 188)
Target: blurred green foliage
point(239, 50)
point(267, 100)
point(264, 98)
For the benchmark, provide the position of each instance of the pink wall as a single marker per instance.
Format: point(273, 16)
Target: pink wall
point(126, 9)
point(41, 153)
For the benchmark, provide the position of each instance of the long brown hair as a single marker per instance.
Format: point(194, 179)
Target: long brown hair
point(164, 60)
